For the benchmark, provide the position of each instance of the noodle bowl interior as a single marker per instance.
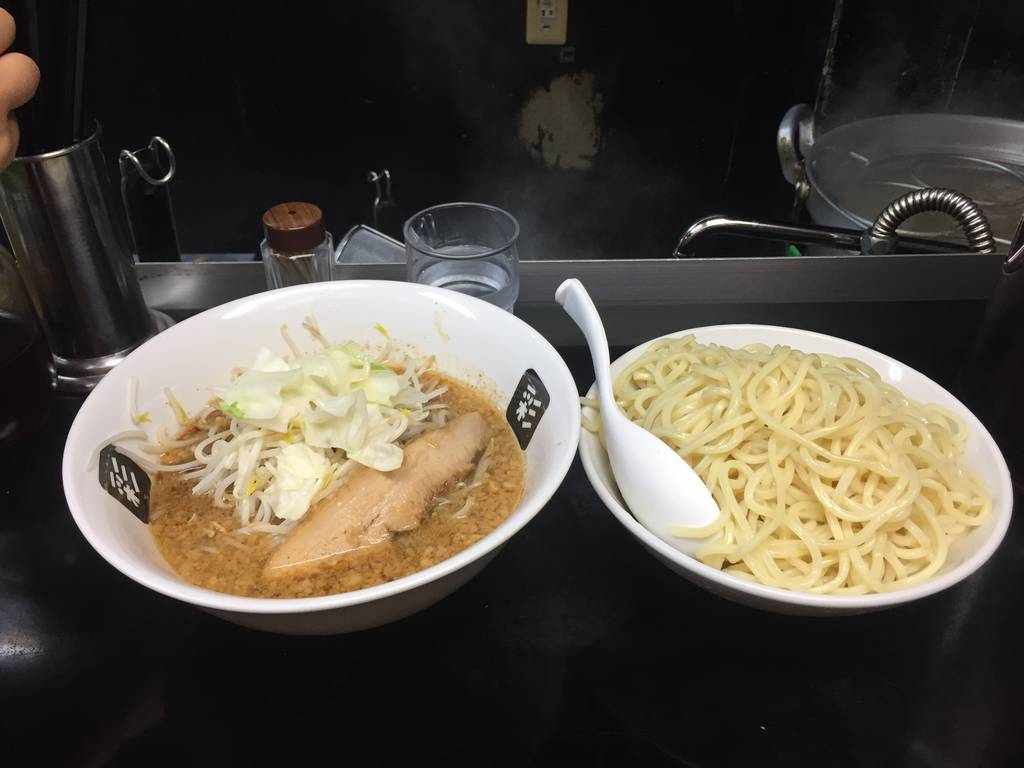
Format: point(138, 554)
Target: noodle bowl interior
point(206, 544)
point(828, 479)
point(326, 470)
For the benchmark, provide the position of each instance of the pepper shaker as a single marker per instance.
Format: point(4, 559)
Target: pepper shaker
point(297, 247)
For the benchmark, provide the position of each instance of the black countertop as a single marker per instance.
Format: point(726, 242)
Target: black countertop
point(573, 647)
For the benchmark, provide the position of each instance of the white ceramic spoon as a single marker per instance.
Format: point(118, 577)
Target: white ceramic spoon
point(659, 488)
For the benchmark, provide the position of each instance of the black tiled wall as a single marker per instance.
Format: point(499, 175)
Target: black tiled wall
point(653, 115)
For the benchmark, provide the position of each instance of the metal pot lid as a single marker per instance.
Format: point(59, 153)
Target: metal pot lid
point(860, 167)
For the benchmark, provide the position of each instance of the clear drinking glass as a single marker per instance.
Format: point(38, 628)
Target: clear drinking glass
point(465, 247)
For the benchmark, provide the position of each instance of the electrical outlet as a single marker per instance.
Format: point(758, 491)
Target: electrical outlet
point(546, 21)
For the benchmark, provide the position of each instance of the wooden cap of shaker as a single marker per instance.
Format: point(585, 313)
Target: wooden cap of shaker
point(294, 227)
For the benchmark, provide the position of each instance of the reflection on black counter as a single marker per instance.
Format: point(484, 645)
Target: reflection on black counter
point(26, 371)
point(573, 647)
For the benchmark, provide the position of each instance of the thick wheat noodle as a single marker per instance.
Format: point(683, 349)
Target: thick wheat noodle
point(828, 479)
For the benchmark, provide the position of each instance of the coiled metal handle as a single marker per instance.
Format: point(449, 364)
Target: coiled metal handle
point(882, 234)
point(155, 143)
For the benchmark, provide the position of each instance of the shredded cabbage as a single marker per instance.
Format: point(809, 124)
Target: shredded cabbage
point(336, 398)
point(300, 472)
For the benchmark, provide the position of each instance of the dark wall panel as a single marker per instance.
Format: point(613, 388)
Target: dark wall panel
point(655, 114)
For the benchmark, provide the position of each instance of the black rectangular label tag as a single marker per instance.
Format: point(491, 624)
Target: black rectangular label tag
point(126, 481)
point(527, 407)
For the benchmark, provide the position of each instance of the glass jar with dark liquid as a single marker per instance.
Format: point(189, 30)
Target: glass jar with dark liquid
point(26, 368)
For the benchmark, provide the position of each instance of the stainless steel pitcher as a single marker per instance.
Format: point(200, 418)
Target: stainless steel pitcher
point(68, 236)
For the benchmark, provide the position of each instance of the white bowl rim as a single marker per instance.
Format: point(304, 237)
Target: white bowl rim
point(589, 444)
point(179, 589)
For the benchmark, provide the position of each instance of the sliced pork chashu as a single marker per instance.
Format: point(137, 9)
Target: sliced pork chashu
point(373, 505)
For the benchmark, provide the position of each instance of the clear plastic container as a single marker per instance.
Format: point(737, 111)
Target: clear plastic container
point(365, 245)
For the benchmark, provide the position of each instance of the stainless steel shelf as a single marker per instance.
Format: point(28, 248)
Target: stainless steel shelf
point(671, 293)
point(194, 286)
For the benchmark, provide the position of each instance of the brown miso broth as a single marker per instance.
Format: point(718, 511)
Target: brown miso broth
point(203, 543)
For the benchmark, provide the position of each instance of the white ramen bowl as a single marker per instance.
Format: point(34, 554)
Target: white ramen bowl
point(471, 339)
point(965, 556)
